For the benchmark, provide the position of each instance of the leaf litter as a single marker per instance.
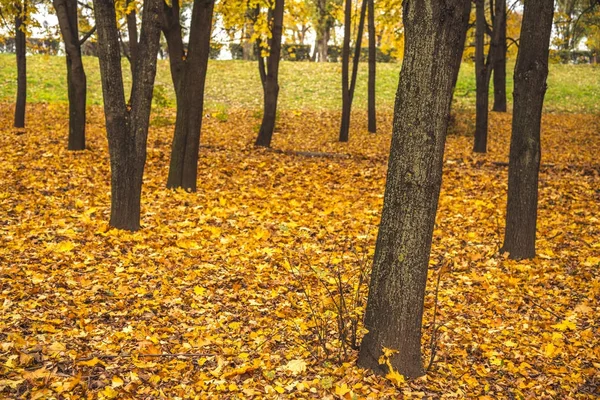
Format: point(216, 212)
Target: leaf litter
point(221, 292)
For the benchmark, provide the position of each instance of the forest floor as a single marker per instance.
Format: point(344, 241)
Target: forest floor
point(230, 292)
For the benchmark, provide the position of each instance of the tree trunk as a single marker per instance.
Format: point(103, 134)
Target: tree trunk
point(132, 35)
point(127, 124)
point(189, 75)
point(372, 123)
point(345, 124)
point(482, 86)
point(530, 76)
point(500, 58)
point(434, 36)
point(66, 11)
point(20, 49)
point(347, 105)
point(270, 81)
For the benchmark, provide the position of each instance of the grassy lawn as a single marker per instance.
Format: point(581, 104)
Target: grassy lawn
point(304, 86)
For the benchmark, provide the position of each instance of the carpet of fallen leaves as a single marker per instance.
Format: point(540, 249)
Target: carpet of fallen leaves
point(223, 291)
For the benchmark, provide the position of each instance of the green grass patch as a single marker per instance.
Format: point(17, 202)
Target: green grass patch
point(309, 86)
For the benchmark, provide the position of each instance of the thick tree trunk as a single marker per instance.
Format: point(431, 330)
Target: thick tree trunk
point(345, 123)
point(434, 36)
point(500, 57)
point(127, 125)
point(482, 83)
point(372, 116)
point(66, 11)
point(270, 80)
point(189, 76)
point(20, 49)
point(530, 76)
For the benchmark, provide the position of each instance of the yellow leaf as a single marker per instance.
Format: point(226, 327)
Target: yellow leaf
point(92, 363)
point(64, 246)
point(564, 325)
point(510, 343)
point(116, 381)
point(296, 366)
point(396, 378)
point(550, 350)
point(109, 392)
point(279, 389)
point(342, 390)
point(199, 291)
point(188, 244)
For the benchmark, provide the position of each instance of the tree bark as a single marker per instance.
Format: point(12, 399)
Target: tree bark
point(482, 83)
point(270, 80)
point(188, 71)
point(500, 57)
point(127, 124)
point(372, 116)
point(434, 36)
point(20, 49)
point(66, 11)
point(530, 76)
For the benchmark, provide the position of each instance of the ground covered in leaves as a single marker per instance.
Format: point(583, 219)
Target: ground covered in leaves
point(234, 291)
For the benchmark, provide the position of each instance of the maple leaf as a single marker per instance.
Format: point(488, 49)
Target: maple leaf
point(296, 366)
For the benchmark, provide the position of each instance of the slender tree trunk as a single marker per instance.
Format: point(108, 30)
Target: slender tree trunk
point(345, 125)
point(434, 36)
point(132, 33)
point(500, 58)
point(347, 106)
point(270, 82)
point(531, 72)
point(66, 11)
point(482, 86)
point(188, 71)
point(127, 125)
point(372, 123)
point(20, 49)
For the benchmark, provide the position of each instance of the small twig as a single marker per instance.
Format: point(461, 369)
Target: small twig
point(129, 355)
point(542, 307)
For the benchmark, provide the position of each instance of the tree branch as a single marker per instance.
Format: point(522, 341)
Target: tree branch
point(87, 35)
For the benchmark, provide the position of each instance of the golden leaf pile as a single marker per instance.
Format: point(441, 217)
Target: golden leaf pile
point(201, 302)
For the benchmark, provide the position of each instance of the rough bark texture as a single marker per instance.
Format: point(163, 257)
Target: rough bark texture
point(530, 75)
point(349, 96)
point(127, 124)
point(434, 36)
point(66, 11)
point(345, 124)
point(482, 81)
point(500, 57)
point(188, 71)
point(270, 79)
point(20, 48)
point(372, 123)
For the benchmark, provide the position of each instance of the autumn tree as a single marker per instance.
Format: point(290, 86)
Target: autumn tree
point(18, 13)
point(434, 40)
point(269, 73)
point(188, 72)
point(66, 11)
point(127, 122)
point(530, 76)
